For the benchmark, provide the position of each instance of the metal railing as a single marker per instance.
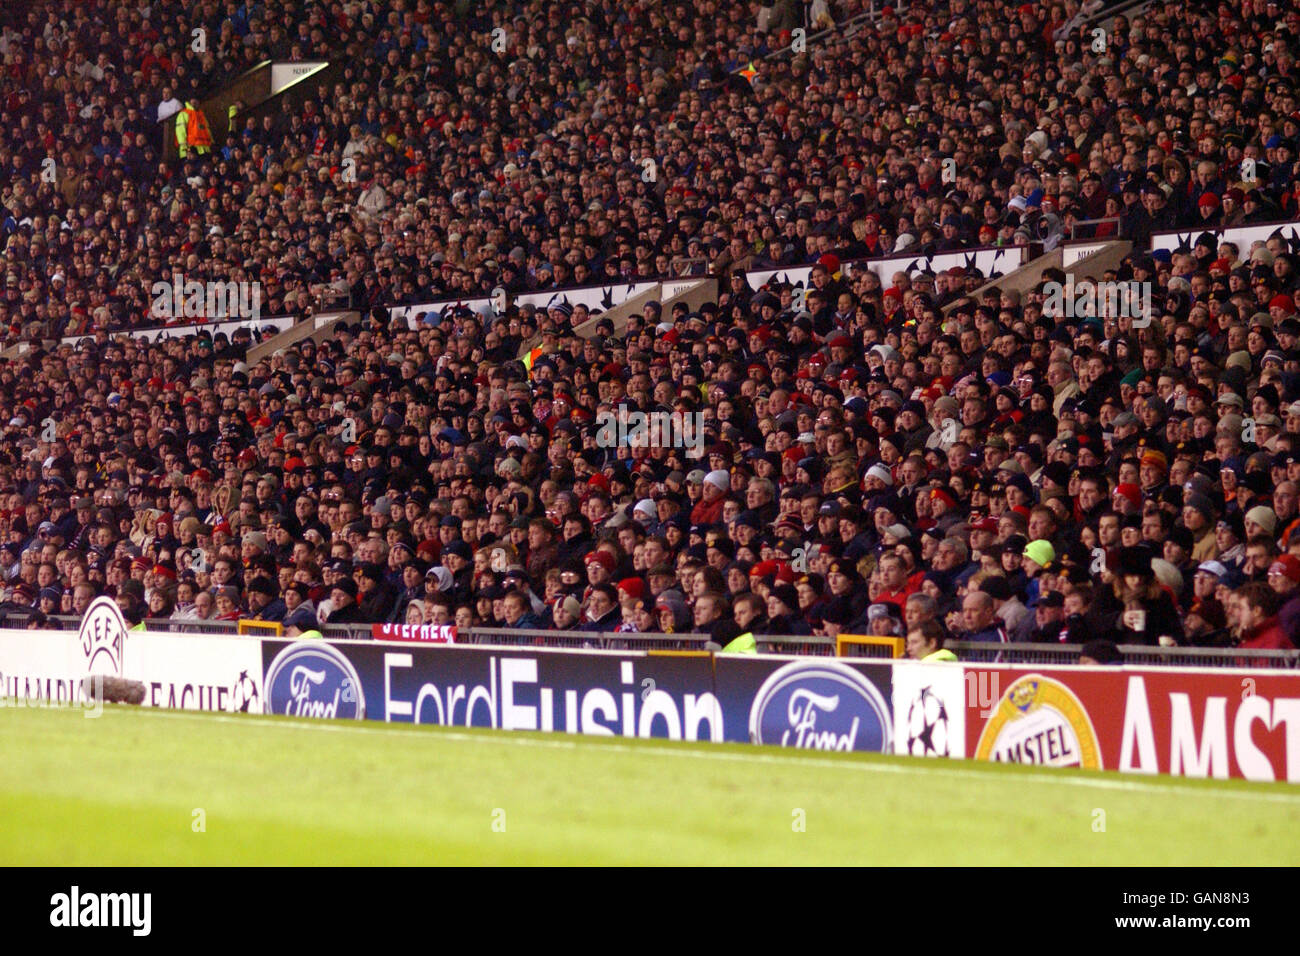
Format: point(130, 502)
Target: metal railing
point(1092, 234)
point(848, 29)
point(983, 652)
point(689, 267)
point(1105, 17)
point(1210, 656)
point(503, 636)
point(809, 644)
point(972, 652)
point(588, 640)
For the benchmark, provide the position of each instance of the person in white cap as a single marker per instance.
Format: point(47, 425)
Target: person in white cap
point(878, 478)
point(644, 512)
point(709, 510)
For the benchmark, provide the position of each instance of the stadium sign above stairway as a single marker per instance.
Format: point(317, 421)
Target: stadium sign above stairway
point(992, 262)
point(1242, 236)
point(597, 298)
point(267, 326)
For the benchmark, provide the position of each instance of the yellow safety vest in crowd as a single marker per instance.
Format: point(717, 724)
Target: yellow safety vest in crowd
point(943, 654)
point(745, 644)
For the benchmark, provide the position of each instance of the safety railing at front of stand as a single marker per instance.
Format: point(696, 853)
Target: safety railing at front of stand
point(1088, 228)
point(978, 652)
point(846, 30)
point(590, 640)
point(796, 644)
point(974, 652)
point(1210, 656)
point(988, 652)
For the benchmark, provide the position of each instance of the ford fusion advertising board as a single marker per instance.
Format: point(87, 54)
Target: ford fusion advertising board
point(590, 692)
point(813, 704)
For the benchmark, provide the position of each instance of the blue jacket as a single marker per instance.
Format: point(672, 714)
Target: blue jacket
point(528, 621)
point(995, 634)
point(609, 622)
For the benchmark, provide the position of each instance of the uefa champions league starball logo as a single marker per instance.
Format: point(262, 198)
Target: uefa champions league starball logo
point(927, 726)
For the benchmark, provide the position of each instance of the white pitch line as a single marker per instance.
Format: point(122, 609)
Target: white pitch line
point(923, 765)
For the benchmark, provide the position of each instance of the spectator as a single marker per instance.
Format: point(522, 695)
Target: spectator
point(602, 613)
point(979, 621)
point(264, 603)
point(343, 603)
point(1284, 579)
point(1257, 621)
point(519, 613)
point(300, 610)
point(1100, 653)
point(566, 614)
point(1136, 607)
point(925, 643)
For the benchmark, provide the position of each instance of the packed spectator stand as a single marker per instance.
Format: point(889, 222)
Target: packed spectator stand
point(927, 457)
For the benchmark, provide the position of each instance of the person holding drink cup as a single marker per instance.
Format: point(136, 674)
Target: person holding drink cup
point(1136, 608)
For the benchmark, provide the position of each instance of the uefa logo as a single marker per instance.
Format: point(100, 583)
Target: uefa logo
point(102, 637)
point(309, 679)
point(820, 705)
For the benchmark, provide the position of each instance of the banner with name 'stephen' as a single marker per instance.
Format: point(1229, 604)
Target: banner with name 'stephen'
point(415, 633)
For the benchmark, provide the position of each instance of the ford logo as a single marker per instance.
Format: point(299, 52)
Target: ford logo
point(309, 679)
point(820, 705)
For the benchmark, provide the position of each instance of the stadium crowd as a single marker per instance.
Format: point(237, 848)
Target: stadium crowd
point(912, 459)
point(535, 146)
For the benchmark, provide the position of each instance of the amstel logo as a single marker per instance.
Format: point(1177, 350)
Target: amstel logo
point(1040, 721)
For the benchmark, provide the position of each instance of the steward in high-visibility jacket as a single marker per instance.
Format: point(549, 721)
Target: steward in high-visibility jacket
point(726, 638)
point(192, 131)
point(925, 643)
point(745, 644)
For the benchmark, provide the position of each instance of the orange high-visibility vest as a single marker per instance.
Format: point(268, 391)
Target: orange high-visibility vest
point(197, 132)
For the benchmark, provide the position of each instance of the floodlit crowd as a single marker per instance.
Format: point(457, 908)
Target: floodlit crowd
point(928, 458)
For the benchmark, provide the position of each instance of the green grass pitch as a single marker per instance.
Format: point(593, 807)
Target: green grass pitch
point(141, 787)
